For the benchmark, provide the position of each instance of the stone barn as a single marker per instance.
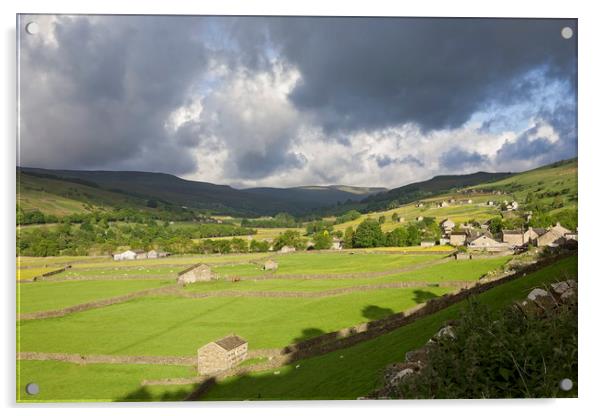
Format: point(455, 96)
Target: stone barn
point(427, 244)
point(155, 254)
point(270, 265)
point(287, 249)
point(221, 355)
point(130, 255)
point(196, 273)
point(462, 256)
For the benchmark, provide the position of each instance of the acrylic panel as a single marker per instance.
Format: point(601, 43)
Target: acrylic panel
point(296, 208)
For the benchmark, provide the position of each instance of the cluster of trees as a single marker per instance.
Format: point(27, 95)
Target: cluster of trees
point(123, 214)
point(281, 220)
point(369, 234)
point(104, 238)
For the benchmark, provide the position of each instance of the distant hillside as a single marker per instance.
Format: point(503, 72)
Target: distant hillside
point(316, 196)
point(554, 184)
point(73, 188)
point(436, 185)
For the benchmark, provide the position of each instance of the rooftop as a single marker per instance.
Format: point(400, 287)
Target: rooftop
point(230, 342)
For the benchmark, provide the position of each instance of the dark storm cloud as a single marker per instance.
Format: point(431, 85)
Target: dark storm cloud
point(375, 72)
point(99, 96)
point(457, 159)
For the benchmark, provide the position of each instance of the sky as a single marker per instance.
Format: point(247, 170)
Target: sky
point(290, 101)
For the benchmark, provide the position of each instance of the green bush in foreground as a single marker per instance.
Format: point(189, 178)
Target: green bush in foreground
point(500, 355)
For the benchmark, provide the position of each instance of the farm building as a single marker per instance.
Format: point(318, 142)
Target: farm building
point(336, 244)
point(490, 203)
point(486, 241)
point(443, 241)
point(457, 238)
point(447, 225)
point(401, 219)
point(462, 256)
point(130, 255)
point(221, 355)
point(442, 204)
point(154, 254)
point(196, 273)
point(427, 243)
point(270, 265)
point(287, 249)
point(419, 218)
point(551, 238)
point(514, 238)
point(532, 234)
point(420, 205)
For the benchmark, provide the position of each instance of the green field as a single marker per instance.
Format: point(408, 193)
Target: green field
point(439, 273)
point(48, 295)
point(356, 371)
point(154, 323)
point(60, 381)
point(329, 263)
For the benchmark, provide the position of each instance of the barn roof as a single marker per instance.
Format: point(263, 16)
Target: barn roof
point(194, 266)
point(230, 342)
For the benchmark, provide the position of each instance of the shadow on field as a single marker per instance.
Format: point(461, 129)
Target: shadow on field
point(374, 312)
point(308, 333)
point(143, 394)
point(421, 296)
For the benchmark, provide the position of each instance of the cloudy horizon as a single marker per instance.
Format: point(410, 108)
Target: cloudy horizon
point(289, 101)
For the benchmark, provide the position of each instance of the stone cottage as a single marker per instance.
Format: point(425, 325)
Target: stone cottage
point(447, 226)
point(196, 273)
point(270, 265)
point(514, 238)
point(130, 255)
point(221, 355)
point(457, 238)
point(486, 242)
point(154, 254)
point(532, 234)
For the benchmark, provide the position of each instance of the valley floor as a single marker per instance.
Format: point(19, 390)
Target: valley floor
point(111, 331)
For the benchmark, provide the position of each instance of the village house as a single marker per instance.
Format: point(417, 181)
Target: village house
point(196, 273)
point(270, 265)
point(551, 238)
point(514, 238)
point(532, 234)
point(447, 226)
point(287, 249)
point(221, 355)
point(336, 244)
point(486, 242)
point(130, 255)
point(154, 254)
point(427, 243)
point(457, 238)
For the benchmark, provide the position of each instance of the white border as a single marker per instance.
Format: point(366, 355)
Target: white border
point(590, 69)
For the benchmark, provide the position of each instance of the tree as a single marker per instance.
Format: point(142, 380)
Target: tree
point(289, 238)
point(348, 237)
point(381, 219)
point(413, 238)
point(397, 238)
point(368, 234)
point(322, 240)
point(259, 246)
point(395, 217)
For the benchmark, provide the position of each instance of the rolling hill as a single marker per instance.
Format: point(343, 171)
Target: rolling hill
point(62, 192)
